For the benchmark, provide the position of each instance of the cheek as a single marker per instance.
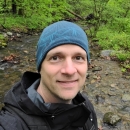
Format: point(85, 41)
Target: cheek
point(49, 71)
point(83, 69)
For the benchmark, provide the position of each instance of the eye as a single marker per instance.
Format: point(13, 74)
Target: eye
point(55, 59)
point(79, 58)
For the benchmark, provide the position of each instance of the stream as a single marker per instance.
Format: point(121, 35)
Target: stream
point(105, 85)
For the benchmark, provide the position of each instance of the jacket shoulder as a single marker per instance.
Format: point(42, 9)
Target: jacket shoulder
point(12, 118)
point(8, 121)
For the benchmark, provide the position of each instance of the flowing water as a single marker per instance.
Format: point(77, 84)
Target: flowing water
point(105, 87)
point(23, 54)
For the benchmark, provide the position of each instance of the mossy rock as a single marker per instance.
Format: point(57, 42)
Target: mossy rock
point(3, 41)
point(111, 118)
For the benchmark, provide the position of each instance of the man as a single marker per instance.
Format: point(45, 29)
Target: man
point(51, 99)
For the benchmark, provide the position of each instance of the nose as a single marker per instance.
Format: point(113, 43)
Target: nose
point(68, 67)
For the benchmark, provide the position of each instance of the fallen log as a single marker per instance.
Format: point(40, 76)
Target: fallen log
point(73, 13)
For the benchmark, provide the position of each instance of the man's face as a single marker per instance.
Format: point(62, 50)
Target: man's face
point(63, 73)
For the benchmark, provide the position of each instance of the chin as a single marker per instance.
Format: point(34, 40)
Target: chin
point(68, 97)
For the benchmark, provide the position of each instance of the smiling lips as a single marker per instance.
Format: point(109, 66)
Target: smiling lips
point(68, 83)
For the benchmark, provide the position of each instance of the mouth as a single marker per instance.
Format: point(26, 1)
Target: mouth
point(68, 84)
point(70, 81)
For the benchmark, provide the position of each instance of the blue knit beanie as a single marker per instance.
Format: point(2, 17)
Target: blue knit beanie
point(59, 33)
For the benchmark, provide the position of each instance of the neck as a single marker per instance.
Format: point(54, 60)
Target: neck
point(49, 97)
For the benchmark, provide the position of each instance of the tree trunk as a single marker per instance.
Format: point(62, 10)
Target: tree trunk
point(21, 12)
point(14, 7)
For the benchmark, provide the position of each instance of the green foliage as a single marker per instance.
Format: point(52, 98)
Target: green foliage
point(3, 45)
point(80, 7)
point(122, 56)
point(125, 66)
point(2, 41)
point(114, 33)
point(123, 69)
point(120, 25)
point(35, 14)
point(104, 36)
point(109, 39)
point(120, 6)
point(1, 37)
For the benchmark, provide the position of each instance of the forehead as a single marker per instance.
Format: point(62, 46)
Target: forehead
point(67, 48)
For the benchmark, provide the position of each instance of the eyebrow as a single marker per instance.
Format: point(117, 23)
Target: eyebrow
point(80, 53)
point(61, 53)
point(54, 53)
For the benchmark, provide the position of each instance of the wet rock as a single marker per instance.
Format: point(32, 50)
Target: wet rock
point(2, 68)
point(105, 128)
point(126, 97)
point(4, 65)
point(14, 67)
point(111, 118)
point(96, 68)
point(110, 93)
point(93, 81)
point(113, 85)
point(25, 51)
point(5, 35)
point(96, 77)
point(100, 99)
point(126, 109)
point(106, 52)
point(18, 35)
point(127, 77)
point(9, 33)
